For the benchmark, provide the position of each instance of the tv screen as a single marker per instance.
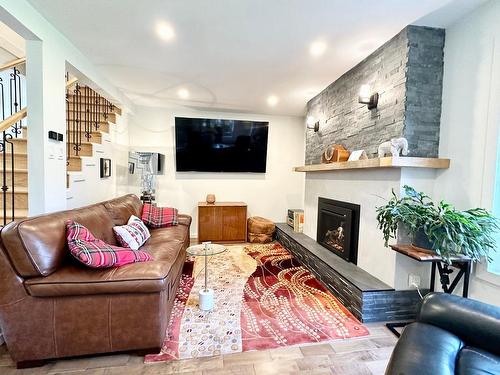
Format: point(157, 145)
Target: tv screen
point(209, 145)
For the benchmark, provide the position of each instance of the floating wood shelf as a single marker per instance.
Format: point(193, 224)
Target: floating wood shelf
point(424, 255)
point(388, 162)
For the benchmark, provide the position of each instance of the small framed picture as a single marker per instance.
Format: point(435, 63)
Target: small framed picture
point(105, 168)
point(131, 167)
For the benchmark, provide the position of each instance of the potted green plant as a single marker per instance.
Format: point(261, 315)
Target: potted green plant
point(439, 227)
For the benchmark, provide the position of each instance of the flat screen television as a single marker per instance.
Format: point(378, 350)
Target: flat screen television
point(216, 145)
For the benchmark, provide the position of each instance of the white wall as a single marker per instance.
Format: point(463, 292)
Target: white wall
point(268, 195)
point(48, 54)
point(470, 119)
point(87, 187)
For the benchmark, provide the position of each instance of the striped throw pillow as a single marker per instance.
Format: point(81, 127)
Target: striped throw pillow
point(158, 217)
point(133, 234)
point(96, 253)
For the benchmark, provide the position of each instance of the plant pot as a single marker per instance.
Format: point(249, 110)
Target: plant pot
point(421, 240)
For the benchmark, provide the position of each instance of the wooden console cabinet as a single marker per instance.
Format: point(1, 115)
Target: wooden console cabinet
point(222, 222)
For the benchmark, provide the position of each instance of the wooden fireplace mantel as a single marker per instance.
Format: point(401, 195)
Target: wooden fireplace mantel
point(387, 162)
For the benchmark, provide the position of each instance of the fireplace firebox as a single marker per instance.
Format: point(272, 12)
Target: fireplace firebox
point(338, 228)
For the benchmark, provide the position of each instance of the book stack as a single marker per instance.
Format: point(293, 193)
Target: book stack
point(295, 219)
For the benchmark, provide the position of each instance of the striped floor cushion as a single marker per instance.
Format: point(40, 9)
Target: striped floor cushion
point(133, 234)
point(96, 253)
point(158, 217)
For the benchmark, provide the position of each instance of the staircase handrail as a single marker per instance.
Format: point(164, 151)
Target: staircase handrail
point(13, 63)
point(71, 82)
point(12, 119)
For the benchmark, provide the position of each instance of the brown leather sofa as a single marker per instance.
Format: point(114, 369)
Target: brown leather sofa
point(51, 306)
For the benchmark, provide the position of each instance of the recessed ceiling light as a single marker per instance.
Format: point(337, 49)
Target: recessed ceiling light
point(317, 48)
point(183, 93)
point(165, 31)
point(272, 100)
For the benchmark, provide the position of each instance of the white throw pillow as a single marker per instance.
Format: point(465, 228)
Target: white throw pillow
point(132, 235)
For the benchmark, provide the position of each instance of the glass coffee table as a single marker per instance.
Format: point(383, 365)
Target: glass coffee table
point(206, 249)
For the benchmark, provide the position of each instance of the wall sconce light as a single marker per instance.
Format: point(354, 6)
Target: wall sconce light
point(366, 97)
point(312, 124)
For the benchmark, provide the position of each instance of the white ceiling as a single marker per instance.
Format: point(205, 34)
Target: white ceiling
point(230, 54)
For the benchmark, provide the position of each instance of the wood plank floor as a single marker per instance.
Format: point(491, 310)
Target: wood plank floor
point(358, 356)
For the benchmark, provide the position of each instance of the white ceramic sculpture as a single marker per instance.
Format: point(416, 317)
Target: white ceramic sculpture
point(395, 147)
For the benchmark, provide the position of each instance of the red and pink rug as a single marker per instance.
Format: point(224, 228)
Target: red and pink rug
point(264, 299)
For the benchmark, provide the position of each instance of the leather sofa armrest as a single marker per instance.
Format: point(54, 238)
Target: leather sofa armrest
point(184, 220)
point(424, 349)
point(476, 323)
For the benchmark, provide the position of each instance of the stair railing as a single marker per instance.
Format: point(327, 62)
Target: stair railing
point(15, 98)
point(10, 128)
point(85, 111)
point(76, 134)
point(7, 146)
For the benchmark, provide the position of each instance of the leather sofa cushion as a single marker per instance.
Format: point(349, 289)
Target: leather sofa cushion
point(148, 277)
point(122, 208)
point(473, 361)
point(36, 246)
point(424, 349)
point(177, 233)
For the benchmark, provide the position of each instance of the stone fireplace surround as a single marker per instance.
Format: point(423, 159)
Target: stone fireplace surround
point(376, 289)
point(407, 73)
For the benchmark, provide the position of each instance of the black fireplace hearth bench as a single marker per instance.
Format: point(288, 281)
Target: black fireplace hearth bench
point(368, 298)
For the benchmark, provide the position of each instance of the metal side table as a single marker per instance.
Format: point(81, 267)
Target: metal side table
point(206, 249)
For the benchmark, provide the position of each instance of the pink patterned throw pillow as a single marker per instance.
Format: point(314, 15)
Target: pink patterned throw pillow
point(158, 217)
point(96, 253)
point(132, 235)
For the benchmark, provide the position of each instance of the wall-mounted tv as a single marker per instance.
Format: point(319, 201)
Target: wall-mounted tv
point(216, 145)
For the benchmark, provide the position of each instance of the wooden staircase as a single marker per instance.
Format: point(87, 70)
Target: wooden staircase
point(17, 182)
point(88, 117)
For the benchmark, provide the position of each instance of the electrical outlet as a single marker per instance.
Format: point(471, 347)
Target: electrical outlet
point(414, 281)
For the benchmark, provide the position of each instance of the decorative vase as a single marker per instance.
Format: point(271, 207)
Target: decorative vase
point(421, 240)
point(335, 153)
point(210, 198)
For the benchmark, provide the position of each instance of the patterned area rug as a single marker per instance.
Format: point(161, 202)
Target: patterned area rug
point(264, 299)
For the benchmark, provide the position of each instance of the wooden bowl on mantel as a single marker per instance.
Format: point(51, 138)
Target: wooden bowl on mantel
point(334, 154)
